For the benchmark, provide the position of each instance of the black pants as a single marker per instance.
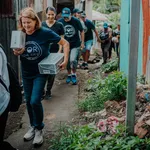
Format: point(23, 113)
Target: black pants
point(117, 48)
point(105, 49)
point(50, 82)
point(3, 119)
point(110, 49)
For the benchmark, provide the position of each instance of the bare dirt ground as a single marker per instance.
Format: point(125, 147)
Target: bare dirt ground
point(60, 109)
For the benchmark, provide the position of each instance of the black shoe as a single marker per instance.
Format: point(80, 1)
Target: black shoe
point(86, 66)
point(43, 95)
point(48, 96)
point(82, 65)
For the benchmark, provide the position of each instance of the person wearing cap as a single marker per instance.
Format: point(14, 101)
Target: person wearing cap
point(89, 27)
point(72, 28)
point(105, 38)
point(76, 13)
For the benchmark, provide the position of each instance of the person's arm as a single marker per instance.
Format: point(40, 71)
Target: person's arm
point(110, 34)
point(66, 49)
point(80, 28)
point(82, 39)
point(61, 33)
point(96, 33)
point(60, 46)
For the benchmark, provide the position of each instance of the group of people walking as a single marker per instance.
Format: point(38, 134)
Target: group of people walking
point(109, 40)
point(72, 35)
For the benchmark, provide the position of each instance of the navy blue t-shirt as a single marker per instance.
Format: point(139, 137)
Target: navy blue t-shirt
point(89, 26)
point(72, 29)
point(58, 28)
point(36, 49)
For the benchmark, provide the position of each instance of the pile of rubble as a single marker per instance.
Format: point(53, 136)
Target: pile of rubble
point(115, 113)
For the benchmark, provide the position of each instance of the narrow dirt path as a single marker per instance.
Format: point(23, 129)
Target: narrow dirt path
point(60, 109)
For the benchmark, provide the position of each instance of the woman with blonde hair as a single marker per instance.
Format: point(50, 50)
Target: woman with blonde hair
point(36, 48)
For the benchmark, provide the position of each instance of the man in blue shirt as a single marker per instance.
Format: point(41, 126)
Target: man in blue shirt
point(89, 27)
point(72, 28)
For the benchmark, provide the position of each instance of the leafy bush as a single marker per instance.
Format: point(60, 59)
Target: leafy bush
point(110, 66)
point(113, 87)
point(89, 138)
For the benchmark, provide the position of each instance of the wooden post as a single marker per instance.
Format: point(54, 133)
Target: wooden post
point(133, 60)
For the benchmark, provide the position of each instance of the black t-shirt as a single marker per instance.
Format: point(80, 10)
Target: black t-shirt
point(58, 28)
point(72, 29)
point(88, 29)
point(36, 49)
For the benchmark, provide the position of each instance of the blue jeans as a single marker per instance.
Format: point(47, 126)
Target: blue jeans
point(73, 58)
point(33, 89)
point(88, 45)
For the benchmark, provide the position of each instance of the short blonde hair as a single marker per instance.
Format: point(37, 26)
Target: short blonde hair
point(29, 12)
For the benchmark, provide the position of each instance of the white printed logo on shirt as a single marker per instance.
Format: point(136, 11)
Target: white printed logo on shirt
point(33, 51)
point(69, 31)
point(85, 29)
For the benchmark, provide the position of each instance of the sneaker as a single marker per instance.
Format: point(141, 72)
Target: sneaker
point(38, 139)
point(30, 134)
point(68, 80)
point(86, 66)
point(74, 79)
point(48, 96)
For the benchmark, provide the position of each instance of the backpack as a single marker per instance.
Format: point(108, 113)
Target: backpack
point(14, 89)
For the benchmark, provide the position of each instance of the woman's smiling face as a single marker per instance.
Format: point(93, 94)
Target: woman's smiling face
point(28, 24)
point(50, 15)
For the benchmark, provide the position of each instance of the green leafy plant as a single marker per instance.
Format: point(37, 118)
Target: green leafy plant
point(75, 138)
point(110, 66)
point(88, 137)
point(113, 87)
